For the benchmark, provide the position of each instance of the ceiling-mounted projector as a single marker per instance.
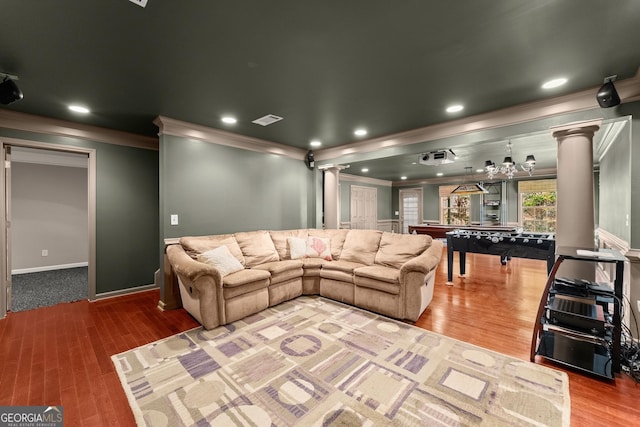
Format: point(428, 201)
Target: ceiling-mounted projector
point(439, 157)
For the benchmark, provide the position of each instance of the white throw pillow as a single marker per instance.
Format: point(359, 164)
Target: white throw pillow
point(222, 259)
point(319, 247)
point(297, 247)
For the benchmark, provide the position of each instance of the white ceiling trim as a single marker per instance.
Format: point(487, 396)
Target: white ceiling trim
point(48, 126)
point(364, 180)
point(173, 127)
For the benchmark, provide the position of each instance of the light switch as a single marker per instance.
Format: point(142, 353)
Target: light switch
point(174, 219)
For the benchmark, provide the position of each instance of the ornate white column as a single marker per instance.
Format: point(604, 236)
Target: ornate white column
point(332, 194)
point(575, 214)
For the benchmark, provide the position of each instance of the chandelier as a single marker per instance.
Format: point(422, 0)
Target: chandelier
point(508, 167)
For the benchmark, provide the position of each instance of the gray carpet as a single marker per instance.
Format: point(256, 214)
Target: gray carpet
point(46, 288)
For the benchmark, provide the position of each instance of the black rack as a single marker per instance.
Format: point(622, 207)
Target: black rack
point(574, 325)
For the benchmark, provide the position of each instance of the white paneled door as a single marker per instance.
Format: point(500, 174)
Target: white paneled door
point(410, 208)
point(364, 207)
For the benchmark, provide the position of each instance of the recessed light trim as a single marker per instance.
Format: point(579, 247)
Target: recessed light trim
point(365, 169)
point(439, 174)
point(230, 120)
point(403, 177)
point(455, 108)
point(550, 84)
point(315, 143)
point(360, 132)
point(79, 109)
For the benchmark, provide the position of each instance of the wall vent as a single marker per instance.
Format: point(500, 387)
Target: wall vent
point(267, 120)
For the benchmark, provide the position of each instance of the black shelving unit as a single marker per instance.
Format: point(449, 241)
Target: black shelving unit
point(575, 325)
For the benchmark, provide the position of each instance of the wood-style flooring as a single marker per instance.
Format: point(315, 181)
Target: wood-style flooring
point(60, 355)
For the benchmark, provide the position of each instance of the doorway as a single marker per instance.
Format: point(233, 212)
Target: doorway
point(410, 208)
point(46, 156)
point(364, 207)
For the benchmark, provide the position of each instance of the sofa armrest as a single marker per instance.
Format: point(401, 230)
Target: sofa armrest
point(424, 263)
point(200, 287)
point(184, 265)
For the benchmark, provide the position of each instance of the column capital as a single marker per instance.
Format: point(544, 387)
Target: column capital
point(588, 127)
point(331, 166)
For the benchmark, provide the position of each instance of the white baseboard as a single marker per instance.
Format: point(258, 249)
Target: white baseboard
point(49, 268)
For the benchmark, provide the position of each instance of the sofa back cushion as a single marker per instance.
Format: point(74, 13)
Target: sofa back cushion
point(196, 245)
point(396, 249)
point(361, 246)
point(336, 236)
point(257, 247)
point(281, 242)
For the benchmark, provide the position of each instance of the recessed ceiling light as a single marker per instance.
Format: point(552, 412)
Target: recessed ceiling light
point(479, 170)
point(229, 120)
point(403, 178)
point(360, 132)
point(365, 170)
point(79, 109)
point(315, 143)
point(439, 174)
point(455, 108)
point(554, 83)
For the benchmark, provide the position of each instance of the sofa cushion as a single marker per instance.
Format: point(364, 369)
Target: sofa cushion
point(246, 276)
point(381, 278)
point(361, 246)
point(195, 245)
point(341, 265)
point(336, 237)
point(281, 241)
point(280, 266)
point(396, 249)
point(222, 259)
point(257, 247)
point(318, 247)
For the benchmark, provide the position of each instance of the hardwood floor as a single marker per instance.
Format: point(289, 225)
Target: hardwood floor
point(61, 355)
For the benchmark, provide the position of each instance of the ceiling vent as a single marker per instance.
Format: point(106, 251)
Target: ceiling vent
point(267, 120)
point(434, 158)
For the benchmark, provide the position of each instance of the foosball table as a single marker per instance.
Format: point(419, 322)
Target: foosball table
point(504, 244)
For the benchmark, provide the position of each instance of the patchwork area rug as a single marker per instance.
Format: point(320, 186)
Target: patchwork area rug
point(316, 362)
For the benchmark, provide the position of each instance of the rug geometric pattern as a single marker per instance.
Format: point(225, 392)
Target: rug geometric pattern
point(315, 362)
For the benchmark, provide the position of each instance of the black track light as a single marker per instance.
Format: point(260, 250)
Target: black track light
point(607, 95)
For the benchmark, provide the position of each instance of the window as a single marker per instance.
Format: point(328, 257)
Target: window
point(454, 209)
point(537, 203)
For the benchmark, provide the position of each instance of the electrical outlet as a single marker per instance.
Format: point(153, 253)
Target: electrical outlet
point(45, 252)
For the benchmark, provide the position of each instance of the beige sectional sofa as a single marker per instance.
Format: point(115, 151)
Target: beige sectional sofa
point(223, 278)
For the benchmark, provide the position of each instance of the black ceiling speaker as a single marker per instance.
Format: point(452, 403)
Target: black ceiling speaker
point(9, 92)
point(308, 159)
point(607, 95)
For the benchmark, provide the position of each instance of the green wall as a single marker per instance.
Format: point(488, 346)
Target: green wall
point(217, 189)
point(126, 210)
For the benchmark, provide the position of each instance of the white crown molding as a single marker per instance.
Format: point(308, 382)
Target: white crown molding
point(628, 90)
point(364, 180)
point(173, 127)
point(48, 126)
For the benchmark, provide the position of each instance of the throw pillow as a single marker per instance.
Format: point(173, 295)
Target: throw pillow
point(297, 247)
point(222, 259)
point(318, 247)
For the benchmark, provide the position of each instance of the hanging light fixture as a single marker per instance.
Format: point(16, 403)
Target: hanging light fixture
point(469, 188)
point(508, 167)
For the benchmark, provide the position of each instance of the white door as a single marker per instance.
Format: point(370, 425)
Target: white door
point(410, 208)
point(364, 207)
